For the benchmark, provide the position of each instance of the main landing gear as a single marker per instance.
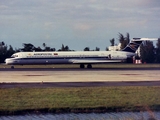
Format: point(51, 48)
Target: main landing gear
point(88, 66)
point(82, 66)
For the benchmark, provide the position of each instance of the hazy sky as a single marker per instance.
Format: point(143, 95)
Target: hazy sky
point(76, 23)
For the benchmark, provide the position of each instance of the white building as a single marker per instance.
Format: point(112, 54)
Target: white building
point(115, 48)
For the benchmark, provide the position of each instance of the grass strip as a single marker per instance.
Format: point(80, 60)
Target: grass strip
point(82, 99)
point(109, 65)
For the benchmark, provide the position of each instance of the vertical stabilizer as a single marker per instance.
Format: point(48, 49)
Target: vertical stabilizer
point(135, 43)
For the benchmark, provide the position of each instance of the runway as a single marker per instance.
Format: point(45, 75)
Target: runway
point(79, 77)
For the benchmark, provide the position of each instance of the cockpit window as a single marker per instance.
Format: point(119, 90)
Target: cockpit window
point(14, 55)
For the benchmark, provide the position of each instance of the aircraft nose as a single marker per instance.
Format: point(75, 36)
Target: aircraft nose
point(8, 61)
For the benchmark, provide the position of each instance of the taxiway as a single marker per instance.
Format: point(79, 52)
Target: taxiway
point(77, 75)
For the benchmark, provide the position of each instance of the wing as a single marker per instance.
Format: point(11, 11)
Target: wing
point(79, 61)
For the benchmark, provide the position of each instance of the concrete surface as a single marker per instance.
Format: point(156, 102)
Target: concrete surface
point(74, 75)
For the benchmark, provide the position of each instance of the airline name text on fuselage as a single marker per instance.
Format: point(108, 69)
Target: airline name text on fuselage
point(41, 54)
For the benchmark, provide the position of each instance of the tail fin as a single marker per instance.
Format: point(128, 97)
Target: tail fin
point(135, 43)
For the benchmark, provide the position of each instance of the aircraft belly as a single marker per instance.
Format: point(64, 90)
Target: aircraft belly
point(36, 61)
point(59, 61)
point(45, 61)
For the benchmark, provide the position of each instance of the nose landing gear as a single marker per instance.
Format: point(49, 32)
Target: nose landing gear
point(12, 67)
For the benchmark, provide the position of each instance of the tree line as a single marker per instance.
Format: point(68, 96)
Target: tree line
point(6, 51)
point(148, 52)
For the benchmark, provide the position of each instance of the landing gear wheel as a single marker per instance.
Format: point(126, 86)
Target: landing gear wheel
point(89, 66)
point(12, 67)
point(82, 66)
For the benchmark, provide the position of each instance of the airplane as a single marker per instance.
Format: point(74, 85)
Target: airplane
point(77, 57)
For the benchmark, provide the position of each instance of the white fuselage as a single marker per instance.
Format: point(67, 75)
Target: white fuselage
point(71, 57)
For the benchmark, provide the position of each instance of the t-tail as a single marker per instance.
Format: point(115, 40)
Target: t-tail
point(135, 43)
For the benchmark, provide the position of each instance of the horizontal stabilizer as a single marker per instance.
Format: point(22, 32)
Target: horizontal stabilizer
point(144, 39)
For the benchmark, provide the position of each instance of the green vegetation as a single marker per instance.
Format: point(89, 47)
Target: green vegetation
point(148, 52)
point(82, 98)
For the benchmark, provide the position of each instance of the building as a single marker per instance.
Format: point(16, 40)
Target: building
point(115, 48)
